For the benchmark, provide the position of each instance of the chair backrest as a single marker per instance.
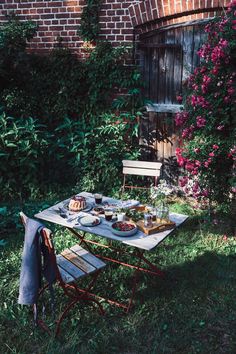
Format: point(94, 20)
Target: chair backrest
point(141, 168)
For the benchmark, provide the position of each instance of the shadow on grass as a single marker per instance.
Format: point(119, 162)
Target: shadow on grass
point(193, 307)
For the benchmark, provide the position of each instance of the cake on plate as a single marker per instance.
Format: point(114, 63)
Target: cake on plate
point(77, 203)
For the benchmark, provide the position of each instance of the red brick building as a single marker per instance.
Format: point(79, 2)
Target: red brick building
point(120, 20)
point(166, 35)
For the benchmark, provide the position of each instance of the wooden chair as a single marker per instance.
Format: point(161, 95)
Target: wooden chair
point(71, 265)
point(140, 168)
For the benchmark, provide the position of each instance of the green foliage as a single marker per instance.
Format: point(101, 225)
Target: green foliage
point(80, 138)
point(114, 139)
point(89, 23)
point(22, 146)
point(51, 88)
point(14, 63)
point(106, 75)
point(56, 86)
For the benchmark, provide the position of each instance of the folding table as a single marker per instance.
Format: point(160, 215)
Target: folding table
point(139, 243)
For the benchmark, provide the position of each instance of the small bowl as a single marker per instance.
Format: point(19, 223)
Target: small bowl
point(125, 224)
point(98, 210)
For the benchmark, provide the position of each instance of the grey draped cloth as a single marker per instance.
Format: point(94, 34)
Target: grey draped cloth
point(35, 263)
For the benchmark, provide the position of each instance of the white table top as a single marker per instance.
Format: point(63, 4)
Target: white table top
point(139, 240)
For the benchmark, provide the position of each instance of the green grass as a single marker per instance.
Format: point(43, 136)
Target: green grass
point(193, 310)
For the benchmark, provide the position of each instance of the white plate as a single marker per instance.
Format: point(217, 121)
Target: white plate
point(89, 220)
point(123, 233)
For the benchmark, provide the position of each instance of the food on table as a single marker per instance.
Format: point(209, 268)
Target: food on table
point(123, 226)
point(98, 210)
point(134, 214)
point(89, 220)
point(77, 203)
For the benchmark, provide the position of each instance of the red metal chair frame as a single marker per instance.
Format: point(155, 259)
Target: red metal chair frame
point(74, 293)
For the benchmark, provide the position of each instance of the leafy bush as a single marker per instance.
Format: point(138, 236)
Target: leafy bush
point(208, 121)
point(22, 148)
point(89, 26)
point(14, 61)
point(115, 139)
point(75, 135)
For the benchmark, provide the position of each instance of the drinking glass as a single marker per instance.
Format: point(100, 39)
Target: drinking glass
point(98, 198)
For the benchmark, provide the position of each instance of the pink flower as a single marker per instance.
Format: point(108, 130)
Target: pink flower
point(181, 161)
point(181, 118)
point(178, 151)
point(215, 147)
point(207, 163)
point(195, 171)
point(230, 90)
point(188, 132)
point(227, 99)
point(211, 154)
point(195, 187)
point(179, 99)
point(220, 127)
point(215, 70)
point(189, 166)
point(201, 122)
point(205, 193)
point(198, 163)
point(199, 101)
point(183, 181)
point(206, 79)
point(197, 150)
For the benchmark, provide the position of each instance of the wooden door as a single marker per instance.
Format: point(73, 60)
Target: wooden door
point(167, 58)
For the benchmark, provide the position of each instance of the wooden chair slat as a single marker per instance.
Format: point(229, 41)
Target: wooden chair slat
point(96, 262)
point(140, 168)
point(66, 277)
point(78, 261)
point(141, 171)
point(142, 164)
point(69, 267)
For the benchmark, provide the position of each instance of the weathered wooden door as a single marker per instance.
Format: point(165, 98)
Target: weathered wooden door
point(167, 57)
point(163, 72)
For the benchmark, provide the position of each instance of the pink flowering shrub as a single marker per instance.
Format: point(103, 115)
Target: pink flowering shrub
point(207, 122)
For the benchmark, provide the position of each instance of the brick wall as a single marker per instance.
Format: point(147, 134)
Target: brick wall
point(119, 19)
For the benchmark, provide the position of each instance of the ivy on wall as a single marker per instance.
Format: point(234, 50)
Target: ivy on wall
point(89, 27)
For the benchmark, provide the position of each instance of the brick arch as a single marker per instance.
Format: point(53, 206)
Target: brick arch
point(147, 11)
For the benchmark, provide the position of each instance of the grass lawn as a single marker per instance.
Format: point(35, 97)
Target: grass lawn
point(192, 310)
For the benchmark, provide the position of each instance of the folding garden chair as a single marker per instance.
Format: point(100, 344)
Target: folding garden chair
point(68, 266)
point(140, 168)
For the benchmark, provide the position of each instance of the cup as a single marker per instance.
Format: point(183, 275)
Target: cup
point(120, 216)
point(98, 198)
point(108, 214)
point(148, 220)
